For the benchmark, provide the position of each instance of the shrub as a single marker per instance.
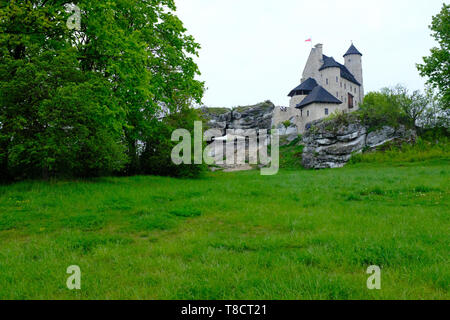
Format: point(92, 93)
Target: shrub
point(287, 123)
point(381, 109)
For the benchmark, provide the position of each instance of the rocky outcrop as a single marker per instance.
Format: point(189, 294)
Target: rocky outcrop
point(244, 122)
point(242, 119)
point(258, 116)
point(330, 144)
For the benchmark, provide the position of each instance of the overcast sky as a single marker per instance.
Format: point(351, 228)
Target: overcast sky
point(255, 50)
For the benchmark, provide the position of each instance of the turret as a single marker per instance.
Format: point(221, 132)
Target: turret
point(353, 62)
point(313, 64)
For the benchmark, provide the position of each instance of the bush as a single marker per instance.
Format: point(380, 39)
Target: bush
point(287, 123)
point(382, 109)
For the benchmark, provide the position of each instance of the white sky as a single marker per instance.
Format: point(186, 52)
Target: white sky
point(255, 50)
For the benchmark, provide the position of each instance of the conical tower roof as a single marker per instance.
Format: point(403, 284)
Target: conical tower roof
point(352, 50)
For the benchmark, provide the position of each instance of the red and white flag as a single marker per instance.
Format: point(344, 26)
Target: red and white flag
point(308, 40)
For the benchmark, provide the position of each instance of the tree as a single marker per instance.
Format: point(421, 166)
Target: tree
point(55, 119)
point(383, 109)
point(143, 50)
point(436, 67)
point(86, 102)
point(435, 116)
point(394, 106)
point(412, 105)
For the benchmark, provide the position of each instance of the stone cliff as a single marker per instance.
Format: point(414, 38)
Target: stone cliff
point(258, 116)
point(330, 144)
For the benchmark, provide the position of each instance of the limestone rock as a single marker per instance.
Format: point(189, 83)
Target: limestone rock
point(329, 144)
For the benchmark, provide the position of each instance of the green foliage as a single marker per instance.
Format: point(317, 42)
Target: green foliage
point(54, 118)
point(79, 103)
point(156, 157)
point(396, 106)
point(383, 109)
point(286, 123)
point(422, 150)
point(338, 119)
point(435, 116)
point(436, 67)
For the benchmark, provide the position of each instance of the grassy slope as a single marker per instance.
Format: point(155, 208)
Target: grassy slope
point(296, 235)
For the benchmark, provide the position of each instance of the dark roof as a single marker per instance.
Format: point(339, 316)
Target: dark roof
point(329, 62)
point(307, 85)
point(346, 74)
point(319, 95)
point(352, 50)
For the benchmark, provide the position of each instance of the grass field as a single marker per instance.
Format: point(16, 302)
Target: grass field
point(297, 235)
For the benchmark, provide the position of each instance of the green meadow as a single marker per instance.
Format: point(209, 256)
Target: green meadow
point(296, 235)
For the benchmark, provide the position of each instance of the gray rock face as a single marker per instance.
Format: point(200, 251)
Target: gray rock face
point(251, 117)
point(245, 122)
point(329, 144)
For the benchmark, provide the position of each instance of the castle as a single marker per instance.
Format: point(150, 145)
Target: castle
point(326, 86)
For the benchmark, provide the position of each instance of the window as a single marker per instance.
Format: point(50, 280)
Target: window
point(355, 89)
point(327, 81)
point(337, 79)
point(337, 95)
point(326, 111)
point(345, 86)
point(341, 84)
point(351, 89)
point(307, 113)
point(301, 113)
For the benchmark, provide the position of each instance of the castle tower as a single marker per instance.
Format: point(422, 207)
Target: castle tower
point(314, 63)
point(353, 62)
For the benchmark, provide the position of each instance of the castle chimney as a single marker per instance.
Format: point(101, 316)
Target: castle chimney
point(319, 50)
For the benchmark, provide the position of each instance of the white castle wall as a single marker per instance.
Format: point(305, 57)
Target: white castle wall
point(314, 112)
point(340, 87)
